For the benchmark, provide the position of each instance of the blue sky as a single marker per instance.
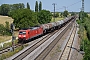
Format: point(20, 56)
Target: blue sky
point(73, 5)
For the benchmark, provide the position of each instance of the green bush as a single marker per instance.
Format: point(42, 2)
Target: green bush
point(85, 22)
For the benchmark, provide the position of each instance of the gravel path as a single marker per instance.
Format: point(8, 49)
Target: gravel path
point(75, 54)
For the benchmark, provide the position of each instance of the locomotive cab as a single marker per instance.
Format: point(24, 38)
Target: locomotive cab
point(23, 35)
point(28, 34)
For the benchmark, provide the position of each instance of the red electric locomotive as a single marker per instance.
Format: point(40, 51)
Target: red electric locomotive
point(26, 34)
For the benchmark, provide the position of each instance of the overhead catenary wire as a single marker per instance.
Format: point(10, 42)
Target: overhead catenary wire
point(74, 4)
point(65, 7)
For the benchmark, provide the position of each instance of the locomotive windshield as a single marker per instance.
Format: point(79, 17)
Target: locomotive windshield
point(22, 32)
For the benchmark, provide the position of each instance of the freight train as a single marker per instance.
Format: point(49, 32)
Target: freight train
point(27, 34)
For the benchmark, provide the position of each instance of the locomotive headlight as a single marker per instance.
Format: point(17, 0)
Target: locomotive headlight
point(24, 35)
point(19, 35)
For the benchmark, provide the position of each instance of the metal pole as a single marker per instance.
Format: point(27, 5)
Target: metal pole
point(81, 25)
point(64, 7)
point(83, 5)
point(12, 31)
point(12, 40)
point(54, 11)
point(82, 17)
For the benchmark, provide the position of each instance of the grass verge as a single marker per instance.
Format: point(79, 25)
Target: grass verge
point(10, 53)
point(56, 19)
point(8, 44)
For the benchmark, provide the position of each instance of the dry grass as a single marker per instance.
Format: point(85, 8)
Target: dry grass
point(3, 19)
point(89, 15)
point(4, 38)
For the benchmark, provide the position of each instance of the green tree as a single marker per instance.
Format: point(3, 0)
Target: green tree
point(28, 6)
point(35, 18)
point(61, 14)
point(72, 13)
point(0, 10)
point(57, 14)
point(17, 6)
point(2, 29)
point(86, 25)
point(85, 22)
point(7, 25)
point(65, 13)
point(44, 16)
point(23, 18)
point(82, 15)
point(21, 5)
point(40, 6)
point(5, 8)
point(85, 14)
point(36, 6)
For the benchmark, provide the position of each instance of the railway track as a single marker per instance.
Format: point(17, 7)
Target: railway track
point(67, 49)
point(9, 48)
point(39, 46)
point(50, 47)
